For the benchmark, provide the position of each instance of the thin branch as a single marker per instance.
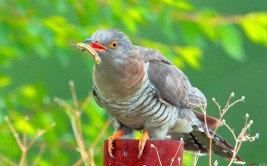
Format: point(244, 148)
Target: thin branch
point(222, 112)
point(39, 134)
point(7, 160)
point(39, 155)
point(101, 133)
point(23, 157)
point(15, 134)
point(23, 144)
point(196, 158)
point(74, 95)
point(231, 130)
point(153, 146)
point(203, 110)
point(96, 141)
point(74, 114)
point(242, 137)
point(79, 140)
point(181, 142)
point(212, 20)
point(86, 102)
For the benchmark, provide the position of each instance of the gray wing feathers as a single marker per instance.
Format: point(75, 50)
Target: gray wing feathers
point(196, 98)
point(170, 83)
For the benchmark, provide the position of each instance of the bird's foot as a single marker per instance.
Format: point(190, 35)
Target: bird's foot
point(111, 139)
point(142, 143)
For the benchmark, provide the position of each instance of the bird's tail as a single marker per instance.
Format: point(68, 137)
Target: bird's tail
point(198, 141)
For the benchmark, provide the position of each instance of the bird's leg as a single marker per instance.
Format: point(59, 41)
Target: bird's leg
point(117, 135)
point(142, 143)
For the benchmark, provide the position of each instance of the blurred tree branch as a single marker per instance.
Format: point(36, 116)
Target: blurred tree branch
point(24, 145)
point(74, 113)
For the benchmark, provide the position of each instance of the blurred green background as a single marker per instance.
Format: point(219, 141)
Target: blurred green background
point(220, 45)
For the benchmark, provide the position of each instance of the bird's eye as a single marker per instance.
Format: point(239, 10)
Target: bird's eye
point(113, 44)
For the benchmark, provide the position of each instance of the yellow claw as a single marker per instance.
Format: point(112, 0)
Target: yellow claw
point(90, 50)
point(142, 143)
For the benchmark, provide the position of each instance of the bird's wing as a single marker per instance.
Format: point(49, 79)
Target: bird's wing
point(170, 83)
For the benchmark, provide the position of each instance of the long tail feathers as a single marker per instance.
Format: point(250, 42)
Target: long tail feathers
point(198, 141)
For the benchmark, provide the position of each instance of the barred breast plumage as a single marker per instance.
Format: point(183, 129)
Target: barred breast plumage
point(143, 110)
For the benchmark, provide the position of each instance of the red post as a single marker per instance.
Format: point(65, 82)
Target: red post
point(156, 153)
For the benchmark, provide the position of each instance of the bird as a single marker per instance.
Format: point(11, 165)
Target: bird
point(141, 90)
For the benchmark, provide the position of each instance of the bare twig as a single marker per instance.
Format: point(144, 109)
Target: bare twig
point(181, 142)
point(74, 114)
point(195, 159)
point(77, 133)
point(96, 141)
point(15, 134)
point(7, 160)
point(101, 133)
point(212, 20)
point(86, 102)
point(38, 157)
point(39, 134)
point(74, 95)
point(23, 145)
point(153, 146)
point(242, 136)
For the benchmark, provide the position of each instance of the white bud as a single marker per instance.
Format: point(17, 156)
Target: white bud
point(152, 145)
point(251, 122)
point(27, 118)
point(233, 94)
point(248, 125)
point(223, 121)
point(71, 82)
point(54, 124)
point(247, 115)
point(215, 163)
point(243, 98)
point(257, 135)
point(213, 99)
point(6, 117)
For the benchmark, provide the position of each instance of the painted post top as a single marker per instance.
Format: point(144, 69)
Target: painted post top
point(156, 153)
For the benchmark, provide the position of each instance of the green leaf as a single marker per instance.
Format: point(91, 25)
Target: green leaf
point(208, 29)
point(231, 41)
point(23, 125)
point(28, 91)
point(255, 27)
point(116, 6)
point(191, 55)
point(191, 33)
point(180, 4)
point(129, 23)
point(4, 81)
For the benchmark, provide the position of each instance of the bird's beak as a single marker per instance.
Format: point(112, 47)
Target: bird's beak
point(90, 50)
point(95, 45)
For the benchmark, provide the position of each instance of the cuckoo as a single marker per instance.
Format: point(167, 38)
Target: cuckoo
point(142, 90)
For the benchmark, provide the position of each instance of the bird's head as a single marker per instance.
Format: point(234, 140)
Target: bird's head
point(111, 45)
